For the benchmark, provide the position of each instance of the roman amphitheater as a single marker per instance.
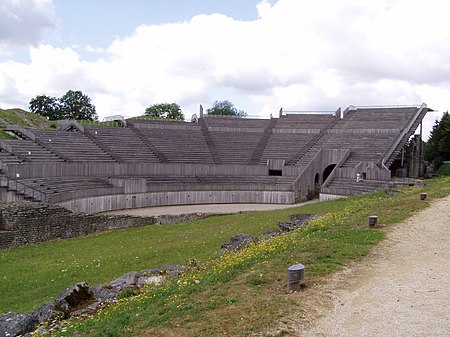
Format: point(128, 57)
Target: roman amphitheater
point(213, 159)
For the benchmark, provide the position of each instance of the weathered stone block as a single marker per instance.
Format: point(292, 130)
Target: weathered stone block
point(103, 293)
point(47, 312)
point(239, 241)
point(73, 297)
point(14, 324)
point(286, 226)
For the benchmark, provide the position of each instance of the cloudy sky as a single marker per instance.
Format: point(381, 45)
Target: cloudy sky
point(261, 55)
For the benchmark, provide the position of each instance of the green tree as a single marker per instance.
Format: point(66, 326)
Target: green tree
point(46, 106)
point(225, 108)
point(165, 110)
point(76, 105)
point(437, 149)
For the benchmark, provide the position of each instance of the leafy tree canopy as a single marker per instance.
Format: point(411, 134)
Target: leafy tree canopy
point(76, 105)
point(165, 110)
point(45, 106)
point(437, 149)
point(72, 105)
point(225, 108)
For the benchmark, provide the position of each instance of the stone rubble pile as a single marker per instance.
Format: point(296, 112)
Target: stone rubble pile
point(82, 299)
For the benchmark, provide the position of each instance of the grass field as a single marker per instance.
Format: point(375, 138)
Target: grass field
point(233, 295)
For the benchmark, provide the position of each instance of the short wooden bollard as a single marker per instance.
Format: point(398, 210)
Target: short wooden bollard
point(296, 274)
point(373, 219)
point(423, 196)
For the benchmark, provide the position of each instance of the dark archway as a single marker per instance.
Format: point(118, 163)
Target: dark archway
point(327, 171)
point(317, 185)
point(413, 171)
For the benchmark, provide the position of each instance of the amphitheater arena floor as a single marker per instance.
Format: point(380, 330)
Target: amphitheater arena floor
point(207, 208)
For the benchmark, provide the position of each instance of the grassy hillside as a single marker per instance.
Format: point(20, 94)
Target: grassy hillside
point(22, 118)
point(234, 294)
point(444, 169)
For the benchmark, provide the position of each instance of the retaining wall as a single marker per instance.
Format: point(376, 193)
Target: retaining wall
point(124, 201)
point(29, 223)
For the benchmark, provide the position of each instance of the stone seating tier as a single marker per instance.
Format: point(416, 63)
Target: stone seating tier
point(58, 185)
point(234, 122)
point(306, 121)
point(346, 186)
point(235, 147)
point(8, 158)
point(377, 118)
point(284, 145)
point(74, 145)
point(180, 146)
point(32, 152)
point(124, 144)
point(362, 147)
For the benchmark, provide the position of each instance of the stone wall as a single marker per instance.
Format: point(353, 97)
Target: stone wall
point(28, 223)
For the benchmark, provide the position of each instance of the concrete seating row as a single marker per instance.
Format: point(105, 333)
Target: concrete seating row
point(73, 145)
point(234, 122)
point(284, 145)
point(347, 186)
point(123, 143)
point(305, 121)
point(8, 158)
point(214, 183)
point(235, 147)
point(377, 118)
point(180, 145)
point(362, 147)
point(53, 186)
point(29, 151)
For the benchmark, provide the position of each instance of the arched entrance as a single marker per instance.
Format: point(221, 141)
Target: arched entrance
point(327, 171)
point(317, 185)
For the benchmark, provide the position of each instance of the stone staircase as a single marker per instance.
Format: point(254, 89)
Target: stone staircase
point(307, 153)
point(406, 137)
point(347, 186)
point(162, 158)
point(256, 156)
point(210, 141)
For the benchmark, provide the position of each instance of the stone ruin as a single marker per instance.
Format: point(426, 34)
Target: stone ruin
point(82, 299)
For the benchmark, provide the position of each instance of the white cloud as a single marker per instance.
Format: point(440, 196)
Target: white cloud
point(23, 22)
point(296, 55)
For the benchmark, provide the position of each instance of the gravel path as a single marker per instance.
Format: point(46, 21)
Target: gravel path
point(401, 289)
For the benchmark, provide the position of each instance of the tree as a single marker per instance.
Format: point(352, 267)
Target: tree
point(225, 108)
point(46, 106)
point(437, 148)
point(165, 110)
point(76, 105)
point(73, 105)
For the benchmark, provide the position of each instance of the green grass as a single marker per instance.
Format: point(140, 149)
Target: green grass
point(250, 284)
point(161, 119)
point(47, 269)
point(444, 169)
point(4, 135)
point(97, 123)
point(22, 118)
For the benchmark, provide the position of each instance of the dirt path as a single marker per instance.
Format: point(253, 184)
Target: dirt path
point(401, 289)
